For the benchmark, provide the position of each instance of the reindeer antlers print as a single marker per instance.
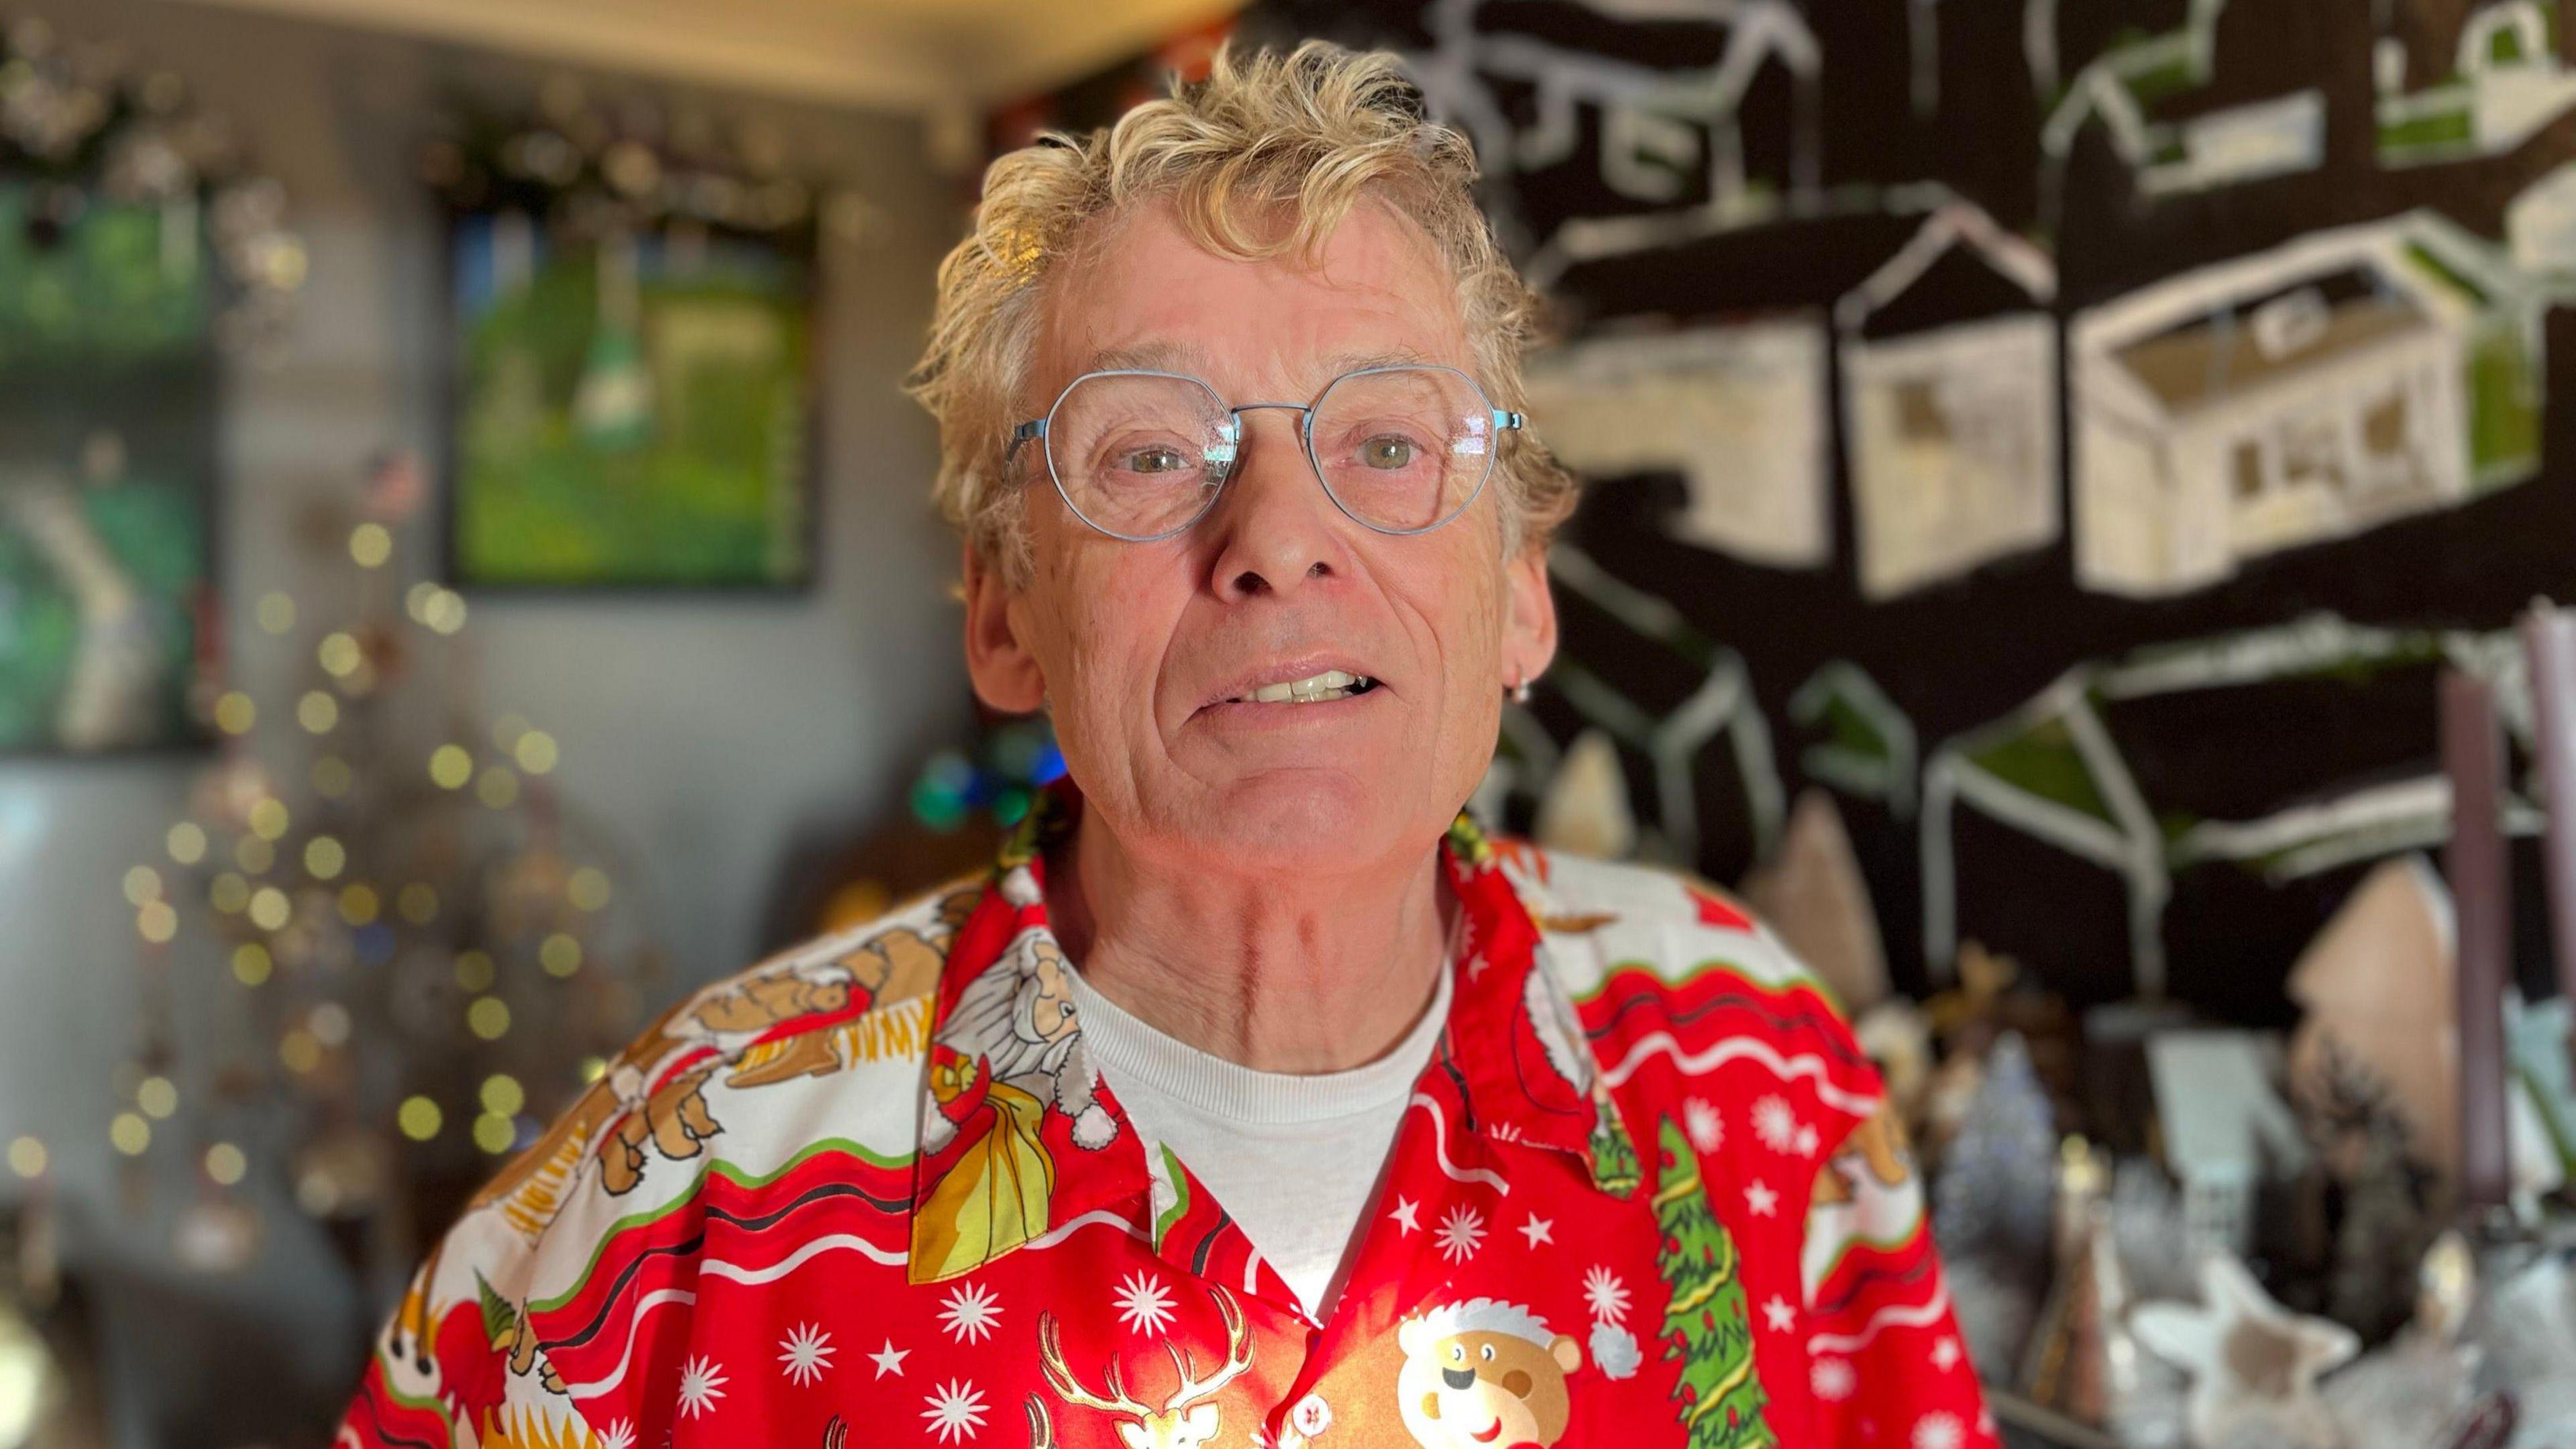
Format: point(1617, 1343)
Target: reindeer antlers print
point(1184, 1420)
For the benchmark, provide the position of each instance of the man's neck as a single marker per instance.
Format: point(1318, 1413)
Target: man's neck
point(1320, 975)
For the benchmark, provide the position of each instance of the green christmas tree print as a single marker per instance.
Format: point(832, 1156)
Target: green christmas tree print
point(1707, 1325)
point(1614, 1156)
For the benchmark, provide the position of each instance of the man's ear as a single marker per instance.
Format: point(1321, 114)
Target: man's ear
point(998, 660)
point(1529, 631)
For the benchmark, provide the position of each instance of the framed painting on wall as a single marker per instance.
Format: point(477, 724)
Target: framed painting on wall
point(630, 411)
point(108, 396)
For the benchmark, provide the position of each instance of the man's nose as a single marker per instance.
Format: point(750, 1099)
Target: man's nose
point(1275, 528)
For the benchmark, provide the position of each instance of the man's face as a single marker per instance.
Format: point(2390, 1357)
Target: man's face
point(1147, 653)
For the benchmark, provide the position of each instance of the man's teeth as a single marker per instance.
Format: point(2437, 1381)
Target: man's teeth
point(1331, 684)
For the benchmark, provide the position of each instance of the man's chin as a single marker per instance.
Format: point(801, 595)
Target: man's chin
point(1293, 820)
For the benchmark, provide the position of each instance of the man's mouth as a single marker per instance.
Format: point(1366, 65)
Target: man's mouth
point(1313, 689)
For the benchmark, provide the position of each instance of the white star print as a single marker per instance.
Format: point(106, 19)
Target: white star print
point(1605, 1295)
point(1939, 1431)
point(805, 1354)
point(1776, 1123)
point(1761, 1201)
point(1779, 1315)
point(956, 1410)
point(1405, 1208)
point(1945, 1355)
point(1832, 1379)
point(970, 1313)
point(1461, 1233)
point(619, 1435)
point(1536, 1230)
point(1707, 1129)
point(889, 1359)
point(1143, 1304)
point(701, 1384)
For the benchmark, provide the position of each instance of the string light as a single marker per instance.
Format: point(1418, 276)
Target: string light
point(157, 923)
point(300, 1051)
point(228, 893)
point(332, 777)
point(473, 971)
point(27, 1156)
point(186, 842)
point(269, 908)
point(419, 1118)
point(370, 545)
point(276, 613)
point(450, 767)
point(324, 857)
point(317, 712)
point(226, 1164)
point(588, 888)
point(254, 854)
point(339, 653)
point(268, 819)
point(488, 1018)
point(142, 886)
point(358, 904)
point(493, 1133)
point(592, 1069)
point(157, 1097)
point(418, 903)
point(498, 788)
point(416, 600)
point(329, 1024)
point(560, 955)
point(251, 963)
point(507, 729)
point(235, 714)
point(536, 752)
point(129, 1134)
point(502, 1095)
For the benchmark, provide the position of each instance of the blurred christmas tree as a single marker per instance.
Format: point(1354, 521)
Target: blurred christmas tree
point(420, 951)
point(1706, 1324)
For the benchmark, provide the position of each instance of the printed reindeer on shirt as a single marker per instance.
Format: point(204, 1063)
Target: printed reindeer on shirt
point(1188, 1418)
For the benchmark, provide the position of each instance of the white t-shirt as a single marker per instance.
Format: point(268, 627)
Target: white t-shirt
point(1295, 1159)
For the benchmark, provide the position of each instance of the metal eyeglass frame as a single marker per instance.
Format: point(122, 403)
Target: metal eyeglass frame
point(1039, 429)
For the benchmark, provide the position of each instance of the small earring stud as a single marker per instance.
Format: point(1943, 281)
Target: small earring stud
point(1521, 690)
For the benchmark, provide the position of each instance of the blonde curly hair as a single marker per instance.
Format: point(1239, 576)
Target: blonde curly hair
point(1262, 159)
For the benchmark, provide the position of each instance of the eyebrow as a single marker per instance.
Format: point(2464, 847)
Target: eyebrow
point(1186, 358)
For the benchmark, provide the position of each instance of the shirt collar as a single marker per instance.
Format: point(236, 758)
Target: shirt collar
point(1022, 1139)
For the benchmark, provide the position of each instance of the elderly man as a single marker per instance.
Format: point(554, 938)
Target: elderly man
point(1255, 1097)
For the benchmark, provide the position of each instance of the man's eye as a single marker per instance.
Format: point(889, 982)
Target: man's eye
point(1387, 450)
point(1155, 460)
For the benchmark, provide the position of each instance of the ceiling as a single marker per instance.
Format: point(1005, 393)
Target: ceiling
point(927, 57)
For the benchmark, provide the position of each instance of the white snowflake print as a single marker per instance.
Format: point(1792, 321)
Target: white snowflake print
point(956, 1411)
point(970, 1313)
point(1461, 1233)
point(1144, 1305)
point(1808, 1141)
point(1779, 1315)
point(889, 1359)
point(1605, 1294)
point(1312, 1416)
point(1776, 1123)
point(1614, 1351)
point(1761, 1201)
point(1405, 1221)
point(1833, 1379)
point(805, 1354)
point(1537, 1230)
point(620, 1434)
point(1939, 1431)
point(701, 1384)
point(1707, 1129)
point(1945, 1355)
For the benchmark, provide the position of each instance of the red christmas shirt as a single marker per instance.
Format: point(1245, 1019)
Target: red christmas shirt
point(873, 1192)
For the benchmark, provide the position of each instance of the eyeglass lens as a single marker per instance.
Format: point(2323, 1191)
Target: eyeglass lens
point(1142, 455)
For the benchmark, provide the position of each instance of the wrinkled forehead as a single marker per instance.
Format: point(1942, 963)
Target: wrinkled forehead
point(1141, 293)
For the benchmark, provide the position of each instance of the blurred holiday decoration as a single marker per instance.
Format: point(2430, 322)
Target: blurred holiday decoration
point(1993, 1203)
point(1816, 898)
point(384, 949)
point(632, 334)
point(961, 805)
point(2252, 1362)
point(135, 253)
point(2226, 1135)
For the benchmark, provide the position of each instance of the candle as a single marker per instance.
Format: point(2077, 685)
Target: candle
point(2549, 640)
point(2473, 757)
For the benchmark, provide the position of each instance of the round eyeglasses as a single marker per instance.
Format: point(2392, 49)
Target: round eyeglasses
point(1142, 455)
